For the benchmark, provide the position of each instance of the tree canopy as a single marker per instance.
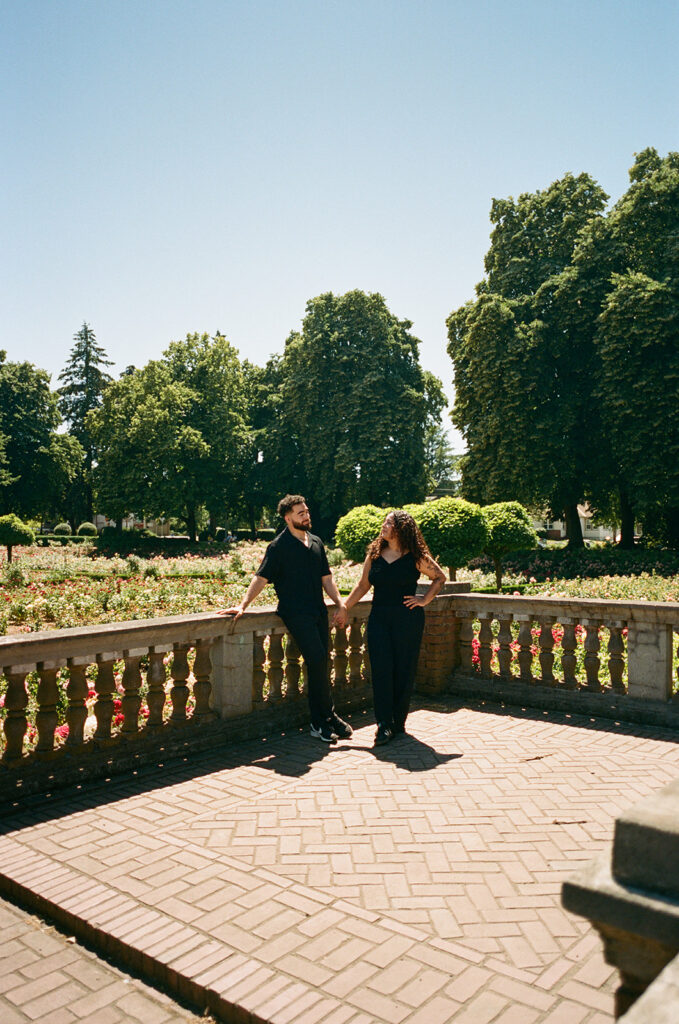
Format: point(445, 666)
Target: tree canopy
point(353, 406)
point(171, 436)
point(559, 361)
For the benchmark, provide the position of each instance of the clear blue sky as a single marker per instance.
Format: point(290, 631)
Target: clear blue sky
point(192, 165)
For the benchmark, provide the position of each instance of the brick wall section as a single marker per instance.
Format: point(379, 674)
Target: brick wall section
point(439, 653)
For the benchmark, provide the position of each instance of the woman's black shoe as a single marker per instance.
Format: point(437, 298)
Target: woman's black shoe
point(383, 735)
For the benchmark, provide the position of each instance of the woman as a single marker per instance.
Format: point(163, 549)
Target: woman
point(393, 565)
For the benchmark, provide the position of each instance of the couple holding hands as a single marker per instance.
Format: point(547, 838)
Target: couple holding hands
point(297, 565)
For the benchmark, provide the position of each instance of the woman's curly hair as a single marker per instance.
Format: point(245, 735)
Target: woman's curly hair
point(410, 540)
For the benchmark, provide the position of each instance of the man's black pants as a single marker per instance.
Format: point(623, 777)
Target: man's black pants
point(312, 635)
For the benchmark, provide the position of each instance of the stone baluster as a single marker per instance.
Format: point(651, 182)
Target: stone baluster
point(568, 657)
point(179, 692)
point(292, 668)
point(76, 691)
point(466, 646)
point(616, 656)
point(592, 661)
point(504, 654)
point(16, 723)
point(486, 645)
point(131, 702)
point(275, 666)
point(340, 660)
point(202, 686)
point(258, 672)
point(525, 652)
point(546, 651)
point(46, 719)
point(156, 678)
point(105, 687)
point(355, 655)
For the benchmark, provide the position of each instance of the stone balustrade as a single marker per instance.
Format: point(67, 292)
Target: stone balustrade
point(129, 683)
point(137, 682)
point(545, 651)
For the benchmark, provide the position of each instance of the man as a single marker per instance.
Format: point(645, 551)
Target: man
point(297, 565)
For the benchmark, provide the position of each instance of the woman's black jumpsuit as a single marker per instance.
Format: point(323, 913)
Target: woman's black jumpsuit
point(394, 638)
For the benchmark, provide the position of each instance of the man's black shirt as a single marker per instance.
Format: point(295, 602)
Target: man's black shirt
point(296, 572)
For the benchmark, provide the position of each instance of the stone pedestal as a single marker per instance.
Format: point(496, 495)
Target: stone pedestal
point(439, 653)
point(631, 896)
point(649, 663)
point(232, 668)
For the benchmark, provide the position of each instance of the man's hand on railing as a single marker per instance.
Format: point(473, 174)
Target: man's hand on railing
point(236, 611)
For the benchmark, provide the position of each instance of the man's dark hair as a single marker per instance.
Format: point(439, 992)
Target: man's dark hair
point(288, 502)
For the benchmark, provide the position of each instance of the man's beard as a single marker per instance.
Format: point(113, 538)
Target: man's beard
point(306, 525)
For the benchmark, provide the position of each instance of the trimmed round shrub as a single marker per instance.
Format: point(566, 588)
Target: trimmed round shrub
point(510, 529)
point(13, 531)
point(357, 529)
point(62, 530)
point(455, 530)
point(87, 530)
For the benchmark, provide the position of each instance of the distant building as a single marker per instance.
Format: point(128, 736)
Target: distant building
point(555, 529)
point(160, 527)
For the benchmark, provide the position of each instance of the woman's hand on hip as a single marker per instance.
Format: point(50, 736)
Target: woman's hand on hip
point(413, 601)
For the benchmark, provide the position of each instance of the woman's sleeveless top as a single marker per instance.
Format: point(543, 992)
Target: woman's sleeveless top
point(392, 581)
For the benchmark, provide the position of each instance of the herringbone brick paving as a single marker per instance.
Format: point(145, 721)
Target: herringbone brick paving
point(419, 882)
point(45, 976)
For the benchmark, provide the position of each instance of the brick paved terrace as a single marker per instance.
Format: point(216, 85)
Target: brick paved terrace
point(282, 881)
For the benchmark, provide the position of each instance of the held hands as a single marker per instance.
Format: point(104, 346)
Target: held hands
point(414, 602)
point(341, 617)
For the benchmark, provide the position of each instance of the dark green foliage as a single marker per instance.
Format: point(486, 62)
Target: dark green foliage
point(13, 531)
point(585, 563)
point(455, 530)
point(357, 528)
point(510, 530)
point(37, 465)
point(44, 540)
point(62, 530)
point(87, 530)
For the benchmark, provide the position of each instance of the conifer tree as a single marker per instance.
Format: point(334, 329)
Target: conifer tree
point(84, 383)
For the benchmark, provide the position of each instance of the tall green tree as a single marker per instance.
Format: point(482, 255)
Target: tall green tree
point(354, 407)
point(523, 379)
point(146, 447)
point(617, 305)
point(211, 369)
point(40, 464)
point(637, 343)
point(171, 437)
point(273, 453)
point(84, 383)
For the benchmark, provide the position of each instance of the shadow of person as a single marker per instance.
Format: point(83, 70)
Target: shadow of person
point(295, 761)
point(407, 752)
